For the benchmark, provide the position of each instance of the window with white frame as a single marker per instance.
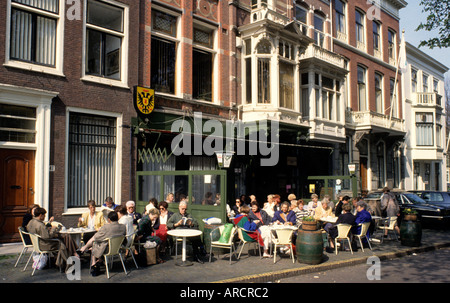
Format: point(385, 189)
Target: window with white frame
point(413, 80)
point(424, 129)
point(92, 144)
point(17, 123)
point(202, 63)
point(340, 7)
point(263, 51)
point(105, 47)
point(376, 38)
point(393, 97)
point(319, 36)
point(392, 45)
point(35, 31)
point(163, 52)
point(286, 80)
point(361, 92)
point(359, 29)
point(425, 83)
point(379, 92)
point(301, 15)
point(328, 96)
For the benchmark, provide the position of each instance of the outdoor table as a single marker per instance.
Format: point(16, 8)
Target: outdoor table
point(77, 233)
point(184, 233)
point(329, 219)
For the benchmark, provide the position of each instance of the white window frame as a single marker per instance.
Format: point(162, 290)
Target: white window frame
point(118, 171)
point(123, 82)
point(381, 109)
point(361, 44)
point(57, 70)
point(176, 40)
point(215, 64)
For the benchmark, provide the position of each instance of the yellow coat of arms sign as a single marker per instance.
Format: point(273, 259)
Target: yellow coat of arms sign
point(144, 101)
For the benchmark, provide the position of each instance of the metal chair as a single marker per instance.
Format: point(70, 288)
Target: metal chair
point(218, 244)
point(114, 246)
point(363, 234)
point(24, 236)
point(35, 239)
point(391, 227)
point(284, 237)
point(243, 241)
point(343, 231)
point(129, 246)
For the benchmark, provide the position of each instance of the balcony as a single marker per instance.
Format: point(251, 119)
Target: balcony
point(317, 53)
point(376, 122)
point(428, 99)
point(251, 113)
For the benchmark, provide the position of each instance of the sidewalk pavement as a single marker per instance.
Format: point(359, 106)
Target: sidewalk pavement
point(249, 269)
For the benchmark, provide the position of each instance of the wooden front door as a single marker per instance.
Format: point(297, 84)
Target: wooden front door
point(363, 172)
point(16, 190)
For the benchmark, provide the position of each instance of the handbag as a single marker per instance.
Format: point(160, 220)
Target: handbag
point(40, 263)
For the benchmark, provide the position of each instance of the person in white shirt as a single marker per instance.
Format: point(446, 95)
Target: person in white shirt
point(126, 220)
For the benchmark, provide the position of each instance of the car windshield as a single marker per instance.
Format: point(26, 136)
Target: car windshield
point(414, 199)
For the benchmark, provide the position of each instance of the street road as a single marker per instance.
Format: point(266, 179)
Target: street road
point(428, 267)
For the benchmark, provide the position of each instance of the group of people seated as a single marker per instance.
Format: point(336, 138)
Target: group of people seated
point(256, 220)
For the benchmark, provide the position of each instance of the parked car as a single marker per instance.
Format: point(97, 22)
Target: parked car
point(434, 197)
point(427, 213)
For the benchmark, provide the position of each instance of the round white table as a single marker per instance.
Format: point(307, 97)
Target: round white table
point(184, 233)
point(76, 233)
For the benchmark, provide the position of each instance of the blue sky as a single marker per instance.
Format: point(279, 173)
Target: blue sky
point(410, 18)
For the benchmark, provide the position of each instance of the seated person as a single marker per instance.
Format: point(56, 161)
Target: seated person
point(258, 215)
point(362, 216)
point(109, 203)
point(161, 223)
point(170, 198)
point(91, 219)
point(236, 208)
point(208, 199)
point(126, 220)
point(312, 205)
point(182, 219)
point(26, 219)
point(48, 235)
point(342, 200)
point(146, 231)
point(152, 203)
point(284, 215)
point(323, 210)
point(242, 220)
point(98, 243)
point(131, 211)
point(300, 211)
point(346, 217)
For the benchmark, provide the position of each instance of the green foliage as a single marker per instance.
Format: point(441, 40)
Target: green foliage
point(438, 19)
point(309, 219)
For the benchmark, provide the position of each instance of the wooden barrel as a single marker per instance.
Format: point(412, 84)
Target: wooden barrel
point(309, 247)
point(411, 233)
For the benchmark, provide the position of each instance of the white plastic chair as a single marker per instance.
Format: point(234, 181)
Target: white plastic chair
point(363, 234)
point(218, 244)
point(35, 239)
point(343, 231)
point(284, 237)
point(24, 234)
point(114, 245)
point(243, 241)
point(391, 227)
point(129, 246)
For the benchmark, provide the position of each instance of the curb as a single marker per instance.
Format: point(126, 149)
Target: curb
point(282, 274)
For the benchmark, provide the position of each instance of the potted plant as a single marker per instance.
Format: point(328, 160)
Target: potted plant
point(309, 223)
point(410, 214)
